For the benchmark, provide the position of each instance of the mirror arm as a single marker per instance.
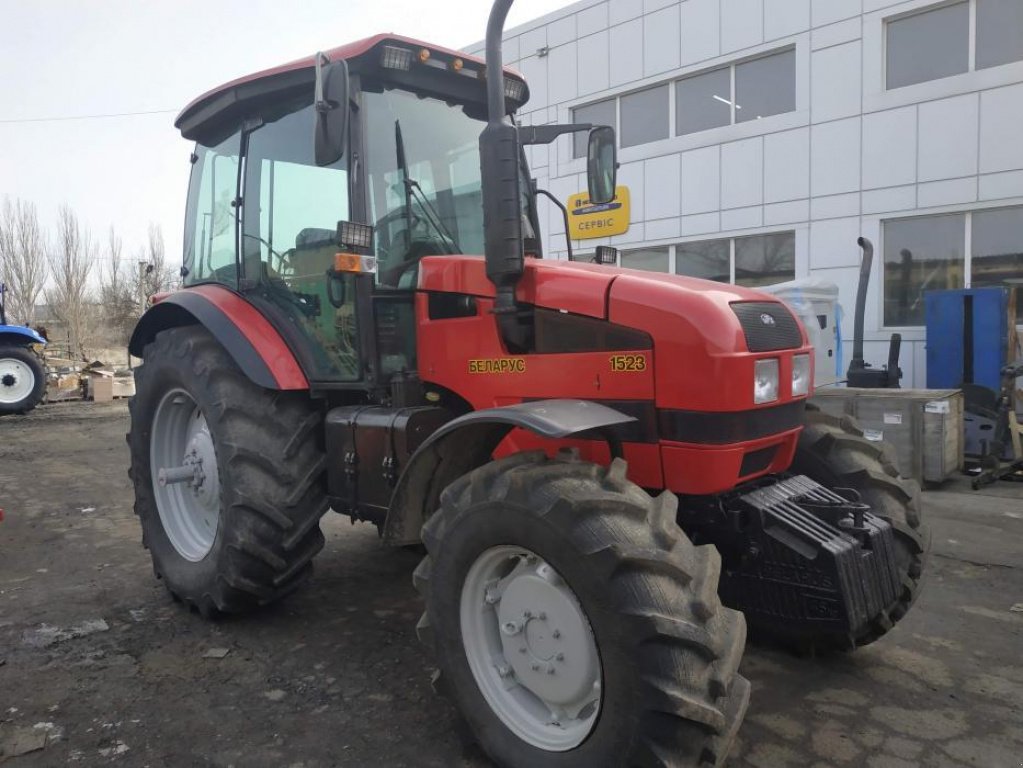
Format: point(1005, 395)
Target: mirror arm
point(545, 134)
point(564, 213)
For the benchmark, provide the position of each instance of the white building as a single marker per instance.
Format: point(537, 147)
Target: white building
point(760, 138)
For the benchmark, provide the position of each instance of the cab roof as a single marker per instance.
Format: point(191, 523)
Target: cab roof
point(231, 98)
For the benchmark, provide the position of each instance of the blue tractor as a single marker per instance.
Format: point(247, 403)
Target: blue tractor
point(22, 376)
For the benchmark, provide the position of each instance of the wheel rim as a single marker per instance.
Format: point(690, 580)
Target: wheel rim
point(531, 648)
point(186, 481)
point(17, 381)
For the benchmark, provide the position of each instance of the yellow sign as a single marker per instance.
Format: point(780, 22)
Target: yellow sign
point(498, 365)
point(587, 221)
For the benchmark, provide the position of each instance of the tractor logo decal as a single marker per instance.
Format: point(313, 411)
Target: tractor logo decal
point(498, 365)
point(766, 319)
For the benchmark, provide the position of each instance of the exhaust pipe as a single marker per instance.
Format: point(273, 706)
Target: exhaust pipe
point(860, 374)
point(861, 302)
point(502, 206)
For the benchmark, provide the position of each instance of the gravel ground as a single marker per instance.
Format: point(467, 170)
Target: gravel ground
point(99, 667)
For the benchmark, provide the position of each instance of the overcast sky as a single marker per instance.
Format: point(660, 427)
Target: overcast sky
point(63, 58)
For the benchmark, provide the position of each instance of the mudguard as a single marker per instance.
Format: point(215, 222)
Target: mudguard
point(19, 335)
point(253, 343)
point(467, 442)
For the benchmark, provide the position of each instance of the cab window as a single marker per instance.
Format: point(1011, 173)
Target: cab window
point(288, 242)
point(211, 218)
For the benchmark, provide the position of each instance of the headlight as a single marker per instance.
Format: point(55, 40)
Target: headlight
point(800, 375)
point(765, 381)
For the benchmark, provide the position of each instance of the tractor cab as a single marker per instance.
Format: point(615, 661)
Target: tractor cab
point(376, 143)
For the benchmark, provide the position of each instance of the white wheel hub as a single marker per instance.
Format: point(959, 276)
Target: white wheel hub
point(186, 481)
point(17, 381)
point(530, 648)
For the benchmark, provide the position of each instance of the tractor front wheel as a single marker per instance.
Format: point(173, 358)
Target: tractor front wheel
point(229, 477)
point(575, 624)
point(22, 380)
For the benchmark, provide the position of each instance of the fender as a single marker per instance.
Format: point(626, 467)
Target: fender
point(467, 442)
point(19, 335)
point(255, 345)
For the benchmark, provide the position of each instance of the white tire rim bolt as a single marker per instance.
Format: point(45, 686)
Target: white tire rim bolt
point(17, 381)
point(531, 648)
point(186, 482)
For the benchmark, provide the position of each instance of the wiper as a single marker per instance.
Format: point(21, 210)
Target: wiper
point(412, 186)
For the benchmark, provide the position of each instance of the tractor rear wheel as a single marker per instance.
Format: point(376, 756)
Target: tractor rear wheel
point(575, 624)
point(834, 452)
point(22, 380)
point(229, 477)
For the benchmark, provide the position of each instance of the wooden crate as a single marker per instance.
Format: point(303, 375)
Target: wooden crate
point(924, 426)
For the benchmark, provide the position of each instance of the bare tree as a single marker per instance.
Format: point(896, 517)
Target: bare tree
point(157, 276)
point(117, 292)
point(23, 266)
point(71, 261)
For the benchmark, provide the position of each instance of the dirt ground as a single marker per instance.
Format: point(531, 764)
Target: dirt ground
point(98, 666)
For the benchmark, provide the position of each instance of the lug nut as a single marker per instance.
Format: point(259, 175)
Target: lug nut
point(560, 657)
point(511, 628)
point(556, 634)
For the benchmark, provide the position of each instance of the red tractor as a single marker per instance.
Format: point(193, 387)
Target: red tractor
point(597, 460)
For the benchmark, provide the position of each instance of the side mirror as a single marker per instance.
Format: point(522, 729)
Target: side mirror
point(602, 165)
point(606, 254)
point(331, 103)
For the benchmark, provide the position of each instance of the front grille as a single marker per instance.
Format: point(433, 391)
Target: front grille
point(768, 326)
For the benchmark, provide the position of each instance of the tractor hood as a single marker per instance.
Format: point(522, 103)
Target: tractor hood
point(707, 335)
point(20, 334)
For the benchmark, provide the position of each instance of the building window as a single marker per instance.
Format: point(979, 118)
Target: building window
point(707, 259)
point(765, 86)
point(649, 259)
point(999, 32)
point(703, 101)
point(765, 259)
point(738, 93)
point(645, 116)
point(600, 113)
point(996, 251)
point(749, 261)
point(762, 87)
point(981, 249)
point(935, 43)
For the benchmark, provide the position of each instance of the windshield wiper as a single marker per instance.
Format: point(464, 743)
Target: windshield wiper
point(411, 187)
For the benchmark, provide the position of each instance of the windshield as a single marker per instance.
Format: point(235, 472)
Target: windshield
point(424, 192)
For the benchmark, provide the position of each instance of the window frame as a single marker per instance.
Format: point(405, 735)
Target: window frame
point(972, 41)
point(672, 84)
point(967, 214)
point(673, 249)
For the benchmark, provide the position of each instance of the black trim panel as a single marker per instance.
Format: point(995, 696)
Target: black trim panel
point(189, 308)
point(713, 428)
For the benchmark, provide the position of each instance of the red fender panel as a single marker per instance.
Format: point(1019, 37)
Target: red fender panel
point(250, 339)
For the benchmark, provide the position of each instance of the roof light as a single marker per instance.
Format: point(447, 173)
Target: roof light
point(396, 58)
point(514, 89)
point(424, 55)
point(457, 64)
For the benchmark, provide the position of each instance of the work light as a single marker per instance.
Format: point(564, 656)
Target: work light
point(393, 57)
